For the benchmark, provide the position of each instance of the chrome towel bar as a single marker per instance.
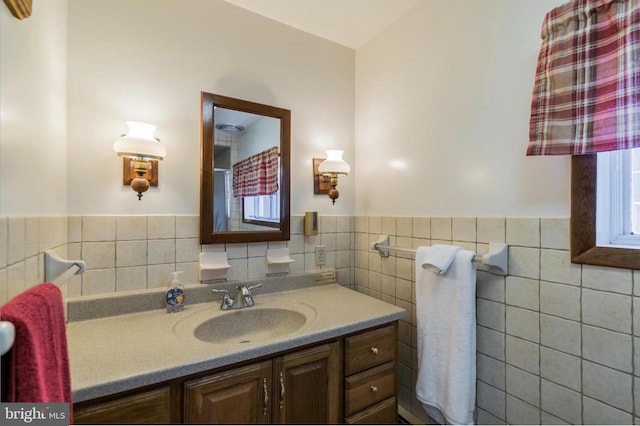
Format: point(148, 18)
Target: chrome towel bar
point(497, 259)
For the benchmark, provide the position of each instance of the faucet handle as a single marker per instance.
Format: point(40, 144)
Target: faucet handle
point(254, 286)
point(244, 294)
point(227, 301)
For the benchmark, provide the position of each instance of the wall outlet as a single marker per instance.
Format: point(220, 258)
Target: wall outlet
point(321, 256)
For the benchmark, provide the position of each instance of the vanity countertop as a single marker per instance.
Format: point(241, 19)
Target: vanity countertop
point(119, 353)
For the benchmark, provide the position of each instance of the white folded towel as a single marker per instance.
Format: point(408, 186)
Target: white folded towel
point(446, 314)
point(439, 258)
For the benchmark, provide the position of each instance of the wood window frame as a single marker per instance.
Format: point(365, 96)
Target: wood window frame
point(584, 169)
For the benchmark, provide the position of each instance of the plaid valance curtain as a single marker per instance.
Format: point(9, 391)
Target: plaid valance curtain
point(256, 175)
point(586, 93)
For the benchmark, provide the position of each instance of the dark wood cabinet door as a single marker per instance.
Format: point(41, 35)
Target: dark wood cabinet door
point(239, 396)
point(307, 386)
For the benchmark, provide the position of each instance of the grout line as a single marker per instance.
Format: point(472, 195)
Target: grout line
point(504, 333)
point(539, 322)
point(633, 351)
point(540, 341)
point(539, 279)
point(581, 350)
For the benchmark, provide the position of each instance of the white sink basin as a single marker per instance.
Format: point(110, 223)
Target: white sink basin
point(247, 325)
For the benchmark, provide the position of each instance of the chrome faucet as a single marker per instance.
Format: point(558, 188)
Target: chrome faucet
point(243, 298)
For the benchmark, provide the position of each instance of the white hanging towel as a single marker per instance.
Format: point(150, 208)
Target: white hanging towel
point(446, 313)
point(439, 259)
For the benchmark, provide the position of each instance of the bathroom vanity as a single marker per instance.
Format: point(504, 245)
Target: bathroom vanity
point(340, 366)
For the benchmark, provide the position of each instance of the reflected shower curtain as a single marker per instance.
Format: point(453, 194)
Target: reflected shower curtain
point(220, 201)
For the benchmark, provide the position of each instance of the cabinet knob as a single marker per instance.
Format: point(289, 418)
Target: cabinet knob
point(374, 350)
point(374, 389)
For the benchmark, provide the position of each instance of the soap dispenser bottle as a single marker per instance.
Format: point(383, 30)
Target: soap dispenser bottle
point(175, 296)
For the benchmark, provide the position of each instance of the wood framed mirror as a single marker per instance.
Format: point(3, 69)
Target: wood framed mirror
point(244, 171)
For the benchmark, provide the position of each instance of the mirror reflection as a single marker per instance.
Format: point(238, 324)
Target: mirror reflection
point(245, 171)
point(246, 158)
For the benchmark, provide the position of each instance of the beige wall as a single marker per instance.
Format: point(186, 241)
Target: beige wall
point(442, 110)
point(76, 70)
point(130, 60)
point(33, 85)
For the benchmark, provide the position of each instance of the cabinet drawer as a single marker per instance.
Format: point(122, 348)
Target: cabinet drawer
point(369, 387)
point(384, 412)
point(369, 349)
point(151, 407)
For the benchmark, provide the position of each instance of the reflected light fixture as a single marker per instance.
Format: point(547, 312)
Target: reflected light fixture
point(142, 147)
point(229, 128)
point(331, 168)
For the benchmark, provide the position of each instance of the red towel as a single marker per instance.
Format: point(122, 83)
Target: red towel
point(39, 360)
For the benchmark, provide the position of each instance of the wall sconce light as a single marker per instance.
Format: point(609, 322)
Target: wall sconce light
point(141, 148)
point(326, 173)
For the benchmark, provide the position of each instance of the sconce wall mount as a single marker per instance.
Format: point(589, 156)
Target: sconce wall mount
point(327, 171)
point(142, 150)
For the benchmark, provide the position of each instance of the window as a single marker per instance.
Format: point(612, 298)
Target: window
point(635, 191)
point(262, 210)
point(618, 199)
point(584, 195)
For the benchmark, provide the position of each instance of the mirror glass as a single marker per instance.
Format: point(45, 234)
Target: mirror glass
point(244, 188)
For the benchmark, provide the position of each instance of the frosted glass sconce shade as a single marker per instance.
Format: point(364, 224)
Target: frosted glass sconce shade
point(139, 142)
point(327, 172)
point(142, 146)
point(334, 164)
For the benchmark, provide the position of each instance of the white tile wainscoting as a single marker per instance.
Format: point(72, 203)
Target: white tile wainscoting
point(136, 252)
point(557, 342)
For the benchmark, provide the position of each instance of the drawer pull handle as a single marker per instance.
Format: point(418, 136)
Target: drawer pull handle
point(374, 389)
point(266, 396)
point(374, 350)
point(281, 391)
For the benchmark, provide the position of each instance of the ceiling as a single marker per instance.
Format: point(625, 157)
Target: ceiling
point(350, 23)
